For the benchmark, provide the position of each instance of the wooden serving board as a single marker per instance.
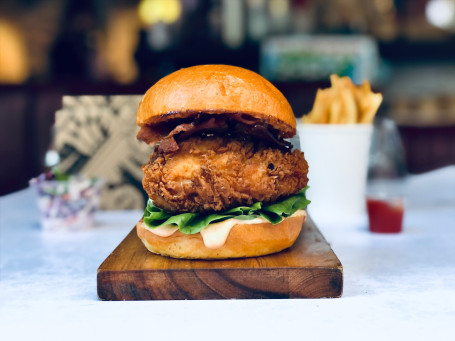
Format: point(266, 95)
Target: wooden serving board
point(309, 269)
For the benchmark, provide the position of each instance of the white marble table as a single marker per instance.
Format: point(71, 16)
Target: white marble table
point(399, 287)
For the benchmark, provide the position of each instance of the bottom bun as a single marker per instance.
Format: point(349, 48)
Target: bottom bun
point(244, 240)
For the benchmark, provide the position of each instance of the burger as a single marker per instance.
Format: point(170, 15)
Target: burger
point(223, 179)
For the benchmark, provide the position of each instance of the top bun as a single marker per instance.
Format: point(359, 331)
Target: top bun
point(216, 89)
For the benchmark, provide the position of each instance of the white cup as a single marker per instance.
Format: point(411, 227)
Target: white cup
point(337, 155)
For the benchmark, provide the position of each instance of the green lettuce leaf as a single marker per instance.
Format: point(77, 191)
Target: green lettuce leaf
point(191, 223)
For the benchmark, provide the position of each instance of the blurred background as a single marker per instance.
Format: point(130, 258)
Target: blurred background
point(51, 48)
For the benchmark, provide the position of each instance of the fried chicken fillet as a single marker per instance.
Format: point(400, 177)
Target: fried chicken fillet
point(218, 173)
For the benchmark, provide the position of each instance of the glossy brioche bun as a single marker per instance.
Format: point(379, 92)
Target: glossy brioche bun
point(244, 240)
point(216, 89)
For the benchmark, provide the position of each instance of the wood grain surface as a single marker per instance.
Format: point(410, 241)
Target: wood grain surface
point(309, 269)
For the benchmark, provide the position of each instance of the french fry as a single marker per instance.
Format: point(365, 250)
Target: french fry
point(343, 88)
point(350, 108)
point(319, 114)
point(335, 112)
point(363, 100)
point(365, 88)
point(334, 80)
point(371, 108)
point(307, 119)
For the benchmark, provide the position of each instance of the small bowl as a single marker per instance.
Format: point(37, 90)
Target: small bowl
point(67, 204)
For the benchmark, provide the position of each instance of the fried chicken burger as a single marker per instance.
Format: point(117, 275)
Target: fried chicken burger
point(223, 181)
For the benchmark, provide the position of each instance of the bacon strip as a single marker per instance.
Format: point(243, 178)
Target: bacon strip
point(240, 124)
point(249, 120)
point(263, 133)
point(213, 124)
point(150, 135)
point(168, 145)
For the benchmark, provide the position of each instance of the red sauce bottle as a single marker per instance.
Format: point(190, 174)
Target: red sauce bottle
point(385, 215)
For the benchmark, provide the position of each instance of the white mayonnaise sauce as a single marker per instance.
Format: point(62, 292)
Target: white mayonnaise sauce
point(215, 235)
point(165, 230)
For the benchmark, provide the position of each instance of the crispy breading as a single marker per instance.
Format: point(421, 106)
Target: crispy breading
point(217, 173)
